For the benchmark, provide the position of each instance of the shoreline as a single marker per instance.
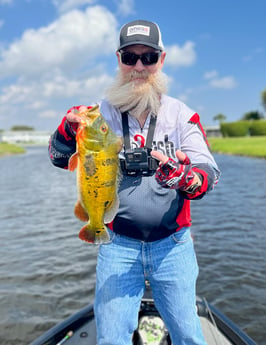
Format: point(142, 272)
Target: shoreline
point(252, 147)
point(7, 149)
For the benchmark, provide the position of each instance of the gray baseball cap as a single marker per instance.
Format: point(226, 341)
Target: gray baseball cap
point(140, 32)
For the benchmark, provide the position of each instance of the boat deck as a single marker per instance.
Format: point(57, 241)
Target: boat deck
point(152, 332)
point(212, 334)
point(217, 328)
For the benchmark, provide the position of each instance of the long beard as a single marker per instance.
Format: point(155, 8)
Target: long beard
point(136, 97)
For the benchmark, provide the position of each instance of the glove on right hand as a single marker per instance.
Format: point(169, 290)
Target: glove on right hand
point(174, 175)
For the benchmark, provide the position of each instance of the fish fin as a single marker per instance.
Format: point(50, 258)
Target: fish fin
point(87, 234)
point(73, 161)
point(119, 144)
point(102, 236)
point(111, 212)
point(90, 235)
point(80, 212)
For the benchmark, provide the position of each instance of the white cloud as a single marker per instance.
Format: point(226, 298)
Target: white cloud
point(42, 104)
point(6, 2)
point(52, 68)
point(125, 7)
point(1, 23)
point(67, 5)
point(183, 97)
point(205, 36)
point(224, 83)
point(177, 56)
point(253, 54)
point(217, 82)
point(48, 114)
point(37, 95)
point(210, 74)
point(69, 43)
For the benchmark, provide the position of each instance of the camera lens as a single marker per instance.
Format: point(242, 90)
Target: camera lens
point(137, 156)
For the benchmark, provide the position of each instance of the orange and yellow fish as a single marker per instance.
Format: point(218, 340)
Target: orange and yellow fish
point(97, 163)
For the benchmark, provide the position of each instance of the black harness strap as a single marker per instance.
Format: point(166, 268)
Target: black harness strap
point(150, 134)
point(126, 130)
point(151, 131)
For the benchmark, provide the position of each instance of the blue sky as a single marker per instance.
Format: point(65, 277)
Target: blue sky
point(59, 53)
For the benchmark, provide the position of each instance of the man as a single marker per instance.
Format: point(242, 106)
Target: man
point(150, 235)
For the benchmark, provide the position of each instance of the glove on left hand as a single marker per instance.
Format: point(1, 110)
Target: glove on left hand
point(73, 119)
point(174, 175)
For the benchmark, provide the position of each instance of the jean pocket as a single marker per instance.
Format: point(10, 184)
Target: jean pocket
point(181, 236)
point(112, 236)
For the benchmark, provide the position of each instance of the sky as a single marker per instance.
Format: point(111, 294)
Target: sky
point(58, 53)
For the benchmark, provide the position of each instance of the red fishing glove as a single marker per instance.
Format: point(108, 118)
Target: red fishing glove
point(176, 175)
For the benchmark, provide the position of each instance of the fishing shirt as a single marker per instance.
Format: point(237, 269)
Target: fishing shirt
point(147, 211)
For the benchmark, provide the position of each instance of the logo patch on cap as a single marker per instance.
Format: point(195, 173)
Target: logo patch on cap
point(138, 30)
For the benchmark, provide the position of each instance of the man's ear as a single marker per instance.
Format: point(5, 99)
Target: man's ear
point(162, 58)
point(118, 57)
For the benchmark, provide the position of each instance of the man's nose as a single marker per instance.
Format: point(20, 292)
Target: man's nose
point(139, 66)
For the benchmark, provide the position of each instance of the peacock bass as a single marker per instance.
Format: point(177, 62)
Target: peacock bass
point(97, 164)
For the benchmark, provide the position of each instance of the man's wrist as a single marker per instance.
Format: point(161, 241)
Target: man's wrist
point(71, 127)
point(195, 185)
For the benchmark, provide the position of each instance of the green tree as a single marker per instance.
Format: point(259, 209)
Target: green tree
point(22, 128)
point(263, 97)
point(220, 118)
point(253, 115)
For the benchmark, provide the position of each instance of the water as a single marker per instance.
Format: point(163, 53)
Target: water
point(47, 273)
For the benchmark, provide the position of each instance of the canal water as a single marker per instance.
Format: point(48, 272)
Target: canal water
point(47, 273)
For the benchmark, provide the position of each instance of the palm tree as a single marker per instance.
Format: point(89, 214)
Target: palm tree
point(219, 117)
point(253, 115)
point(263, 97)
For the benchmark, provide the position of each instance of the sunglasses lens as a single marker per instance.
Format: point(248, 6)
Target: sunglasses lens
point(147, 59)
point(129, 58)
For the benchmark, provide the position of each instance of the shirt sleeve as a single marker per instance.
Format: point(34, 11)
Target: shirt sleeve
point(62, 144)
point(195, 144)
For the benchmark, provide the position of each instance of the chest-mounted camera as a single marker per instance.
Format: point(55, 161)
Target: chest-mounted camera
point(138, 161)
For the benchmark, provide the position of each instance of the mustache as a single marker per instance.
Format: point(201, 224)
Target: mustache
point(135, 75)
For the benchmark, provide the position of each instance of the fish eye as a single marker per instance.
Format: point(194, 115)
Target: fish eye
point(104, 128)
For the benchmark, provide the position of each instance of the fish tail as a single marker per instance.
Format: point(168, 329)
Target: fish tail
point(90, 235)
point(102, 235)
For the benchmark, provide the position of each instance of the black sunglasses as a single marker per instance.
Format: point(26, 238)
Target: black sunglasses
point(147, 59)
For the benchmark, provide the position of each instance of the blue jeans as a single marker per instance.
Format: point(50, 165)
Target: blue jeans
point(171, 268)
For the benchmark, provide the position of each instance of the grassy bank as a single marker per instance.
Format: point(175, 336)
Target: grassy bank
point(243, 146)
point(8, 149)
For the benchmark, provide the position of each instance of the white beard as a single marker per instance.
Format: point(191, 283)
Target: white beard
point(126, 94)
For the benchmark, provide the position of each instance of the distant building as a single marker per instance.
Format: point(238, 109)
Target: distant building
point(25, 137)
point(213, 131)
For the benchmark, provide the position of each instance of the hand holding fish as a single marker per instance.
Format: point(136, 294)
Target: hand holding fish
point(74, 119)
point(73, 114)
